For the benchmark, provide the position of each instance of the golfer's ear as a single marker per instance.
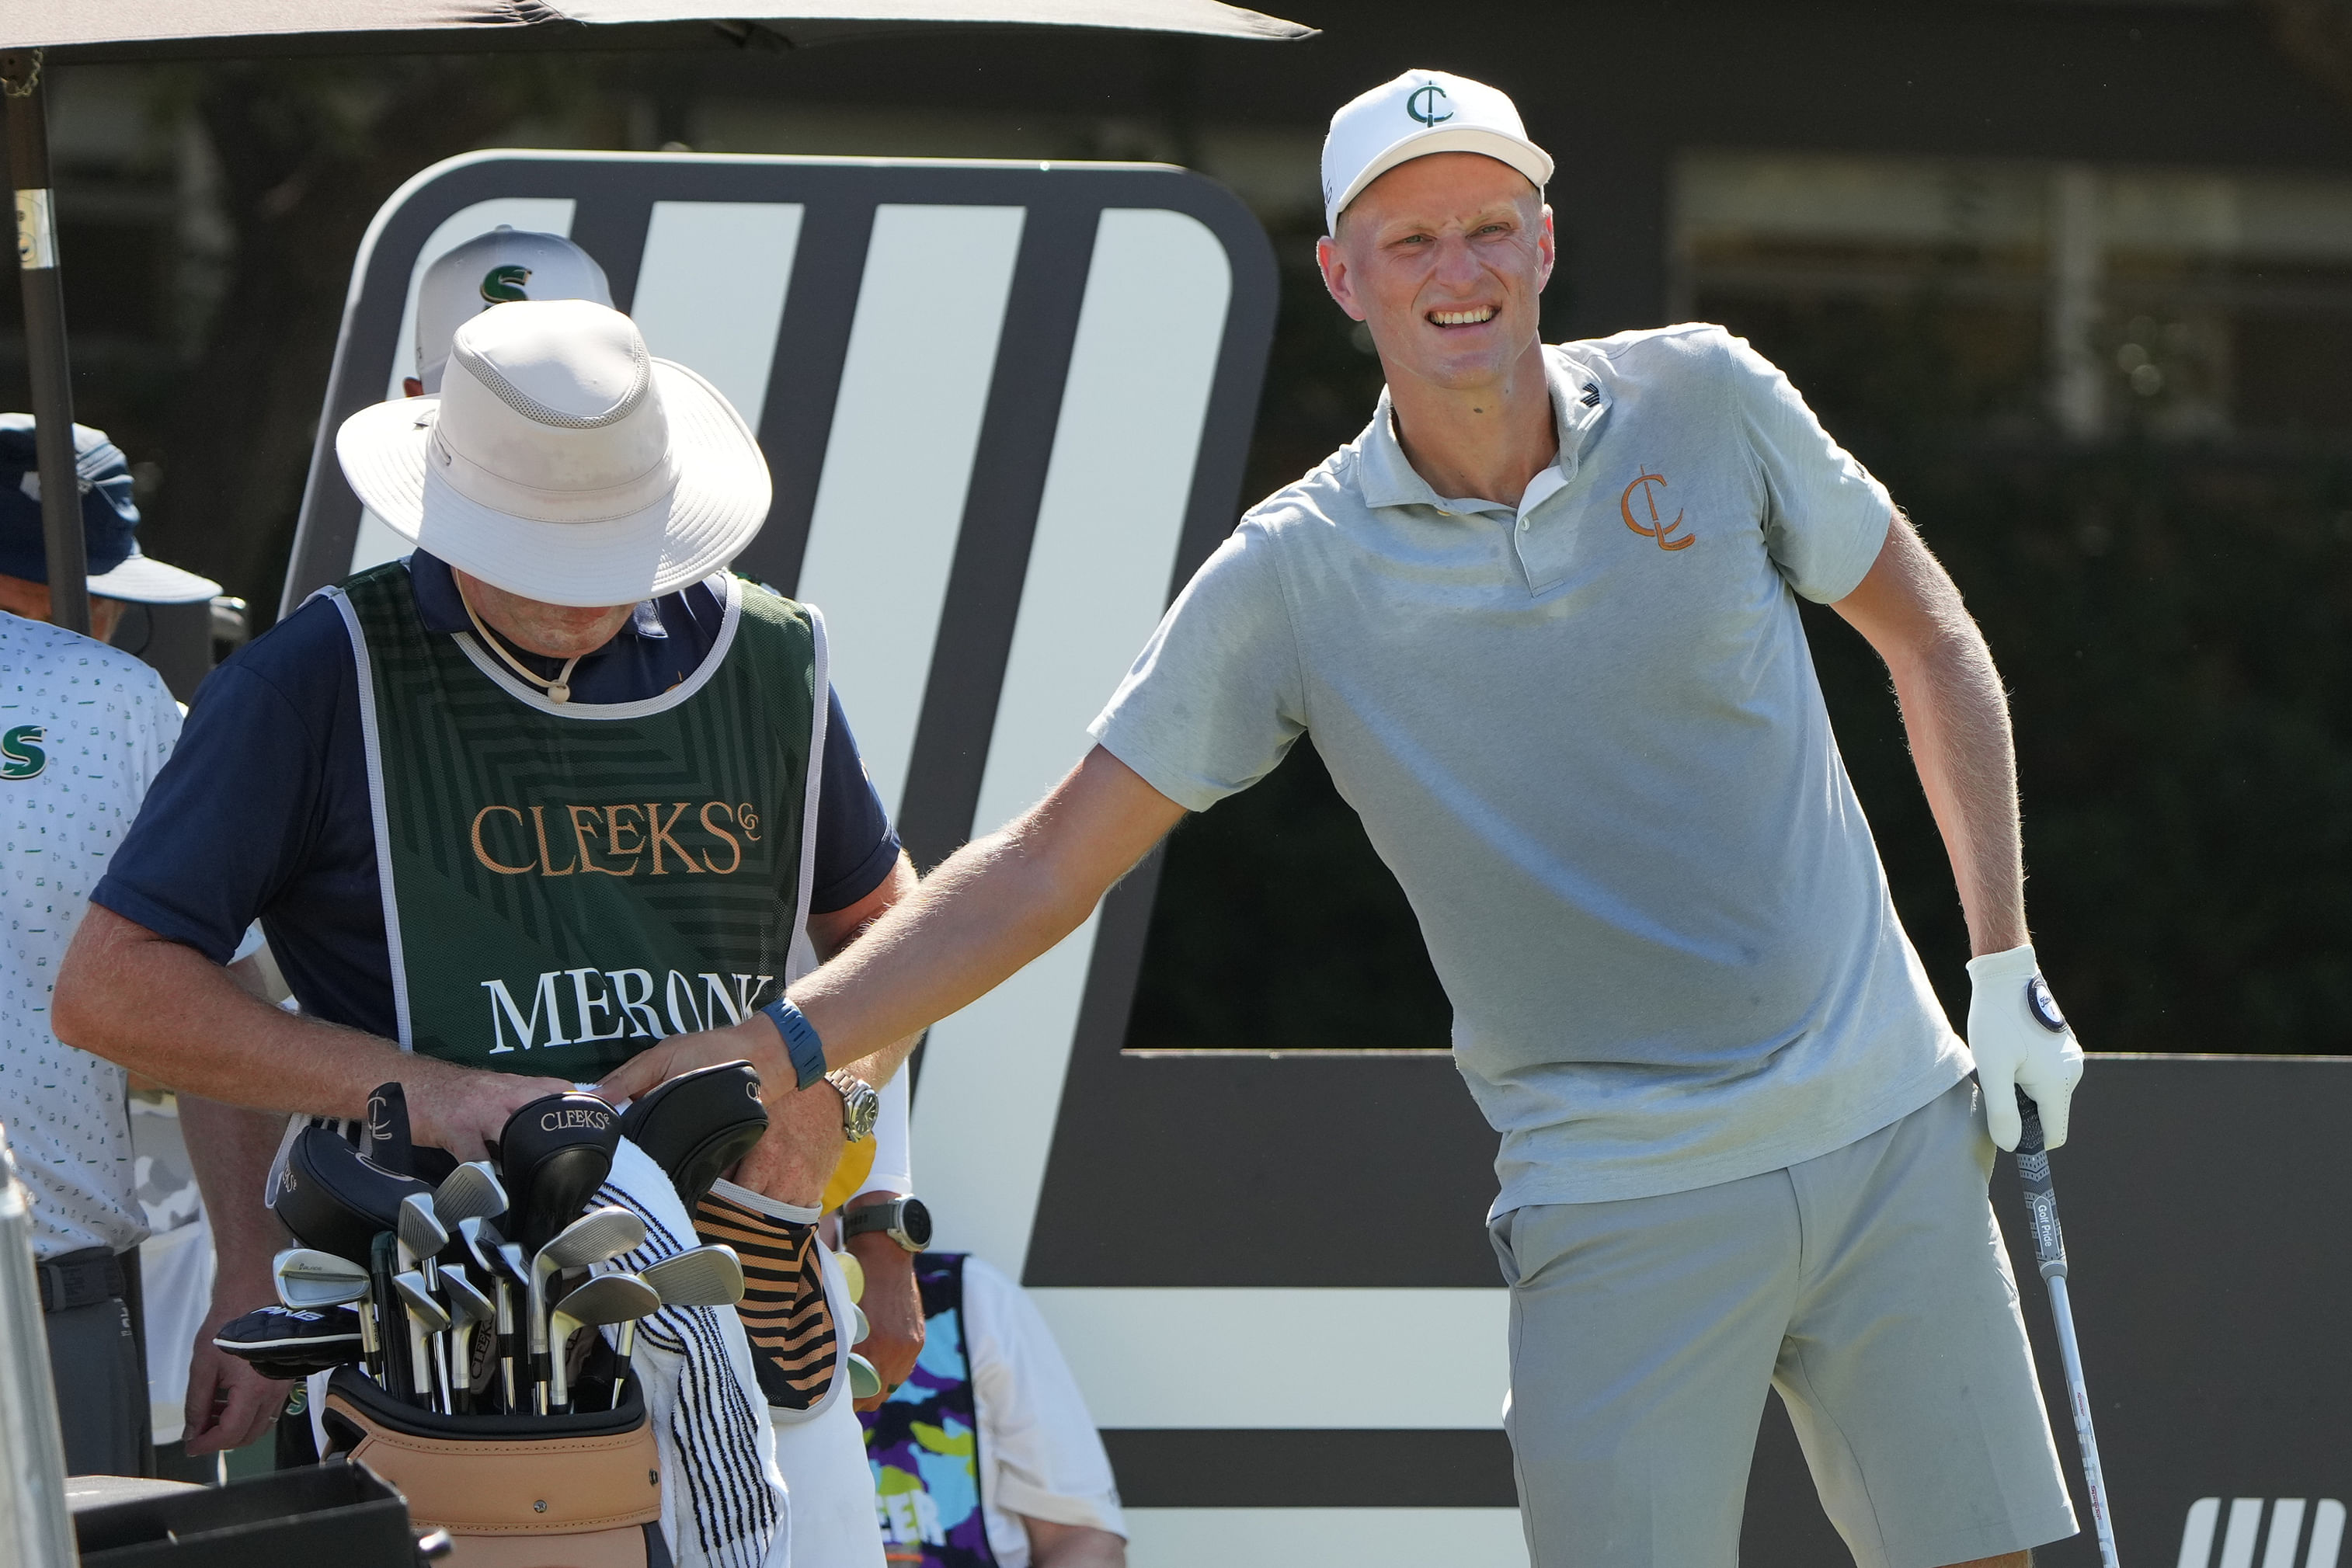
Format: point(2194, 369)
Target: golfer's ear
point(1337, 281)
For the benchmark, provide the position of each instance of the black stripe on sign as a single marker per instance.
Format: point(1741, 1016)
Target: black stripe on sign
point(1000, 519)
point(804, 380)
point(1312, 1469)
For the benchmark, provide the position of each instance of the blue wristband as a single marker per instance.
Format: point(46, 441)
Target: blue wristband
point(799, 1039)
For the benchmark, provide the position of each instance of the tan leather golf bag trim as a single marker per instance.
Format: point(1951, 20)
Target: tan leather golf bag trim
point(576, 1501)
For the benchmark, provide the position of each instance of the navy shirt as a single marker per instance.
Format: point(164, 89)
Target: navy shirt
point(263, 811)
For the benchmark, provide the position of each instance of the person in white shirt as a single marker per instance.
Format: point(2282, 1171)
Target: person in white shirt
point(987, 1455)
point(83, 730)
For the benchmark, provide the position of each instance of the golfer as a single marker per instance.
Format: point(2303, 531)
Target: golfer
point(556, 785)
point(1541, 620)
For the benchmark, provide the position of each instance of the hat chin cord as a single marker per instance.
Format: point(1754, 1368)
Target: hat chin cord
point(558, 690)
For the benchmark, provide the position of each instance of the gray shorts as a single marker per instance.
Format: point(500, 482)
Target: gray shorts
point(1869, 1286)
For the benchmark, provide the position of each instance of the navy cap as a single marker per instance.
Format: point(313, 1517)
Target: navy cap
point(109, 520)
point(109, 515)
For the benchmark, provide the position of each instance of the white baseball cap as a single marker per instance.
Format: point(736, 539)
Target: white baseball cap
point(495, 268)
point(1419, 113)
point(563, 462)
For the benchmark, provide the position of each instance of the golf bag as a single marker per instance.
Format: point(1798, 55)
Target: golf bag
point(582, 1490)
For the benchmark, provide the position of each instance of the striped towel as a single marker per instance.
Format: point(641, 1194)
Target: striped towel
point(724, 1504)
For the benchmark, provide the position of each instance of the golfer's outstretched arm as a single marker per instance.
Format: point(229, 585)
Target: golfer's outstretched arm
point(1956, 718)
point(991, 907)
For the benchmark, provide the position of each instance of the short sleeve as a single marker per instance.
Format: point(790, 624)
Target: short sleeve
point(230, 816)
point(1215, 701)
point(1825, 517)
point(1046, 1459)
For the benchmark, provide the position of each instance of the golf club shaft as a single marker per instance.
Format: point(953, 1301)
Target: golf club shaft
point(507, 1346)
point(2049, 1257)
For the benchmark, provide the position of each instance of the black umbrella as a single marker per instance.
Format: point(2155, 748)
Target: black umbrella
point(162, 29)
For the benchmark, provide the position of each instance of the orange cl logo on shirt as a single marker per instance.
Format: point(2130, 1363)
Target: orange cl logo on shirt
point(1654, 528)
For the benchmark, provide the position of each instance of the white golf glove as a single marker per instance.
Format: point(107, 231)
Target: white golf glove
point(2021, 1040)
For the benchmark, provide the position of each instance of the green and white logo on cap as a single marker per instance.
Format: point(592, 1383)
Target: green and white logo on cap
point(504, 285)
point(1422, 104)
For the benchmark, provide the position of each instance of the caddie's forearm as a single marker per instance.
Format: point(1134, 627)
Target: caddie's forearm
point(989, 909)
point(1956, 718)
point(231, 1149)
point(167, 1012)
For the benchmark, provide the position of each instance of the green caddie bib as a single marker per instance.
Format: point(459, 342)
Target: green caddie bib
point(565, 884)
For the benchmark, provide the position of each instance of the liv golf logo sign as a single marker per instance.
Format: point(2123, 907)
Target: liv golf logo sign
point(2242, 1531)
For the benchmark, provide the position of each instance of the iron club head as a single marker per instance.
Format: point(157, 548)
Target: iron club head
point(309, 1280)
point(421, 1233)
point(606, 1298)
point(471, 1191)
point(430, 1314)
point(709, 1276)
point(597, 1236)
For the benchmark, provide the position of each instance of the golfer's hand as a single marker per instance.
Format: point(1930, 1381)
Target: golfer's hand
point(2021, 1040)
point(754, 1039)
point(894, 1311)
point(461, 1110)
point(229, 1404)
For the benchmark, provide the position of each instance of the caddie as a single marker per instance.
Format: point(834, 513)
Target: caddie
point(553, 787)
point(1541, 620)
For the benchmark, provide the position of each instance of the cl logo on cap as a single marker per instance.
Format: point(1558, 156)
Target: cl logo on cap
point(503, 284)
point(1422, 104)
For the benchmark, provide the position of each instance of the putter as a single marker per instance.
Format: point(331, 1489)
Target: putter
point(422, 1236)
point(606, 1298)
point(426, 1319)
point(597, 1236)
point(2050, 1253)
point(556, 1152)
point(709, 1276)
point(469, 1309)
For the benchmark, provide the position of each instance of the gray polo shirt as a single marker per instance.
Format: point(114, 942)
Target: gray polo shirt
point(1587, 736)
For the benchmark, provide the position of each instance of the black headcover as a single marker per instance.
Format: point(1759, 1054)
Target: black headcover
point(553, 1154)
point(698, 1125)
point(385, 1141)
point(335, 1199)
point(290, 1342)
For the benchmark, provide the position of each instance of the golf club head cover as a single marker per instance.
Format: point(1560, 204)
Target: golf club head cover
point(292, 1342)
point(553, 1154)
point(784, 1311)
point(696, 1126)
point(386, 1141)
point(335, 1199)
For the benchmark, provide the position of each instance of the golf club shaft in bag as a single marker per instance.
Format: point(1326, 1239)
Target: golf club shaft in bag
point(2050, 1255)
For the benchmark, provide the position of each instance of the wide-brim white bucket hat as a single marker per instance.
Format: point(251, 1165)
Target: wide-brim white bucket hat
point(563, 462)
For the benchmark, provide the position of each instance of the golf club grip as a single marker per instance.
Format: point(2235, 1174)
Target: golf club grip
point(2041, 1201)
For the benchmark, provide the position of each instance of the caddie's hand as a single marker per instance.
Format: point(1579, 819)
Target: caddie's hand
point(892, 1306)
point(229, 1404)
point(460, 1109)
point(2021, 1040)
point(755, 1041)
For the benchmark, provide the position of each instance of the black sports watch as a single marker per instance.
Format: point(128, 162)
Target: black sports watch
point(903, 1219)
